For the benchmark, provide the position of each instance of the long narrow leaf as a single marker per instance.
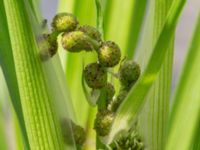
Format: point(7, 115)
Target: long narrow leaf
point(3, 94)
point(186, 109)
point(42, 125)
point(123, 27)
point(7, 64)
point(154, 115)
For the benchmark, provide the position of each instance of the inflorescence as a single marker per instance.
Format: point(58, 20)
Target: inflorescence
point(75, 39)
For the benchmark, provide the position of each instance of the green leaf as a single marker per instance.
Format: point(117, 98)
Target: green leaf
point(134, 101)
point(154, 116)
point(40, 117)
point(3, 115)
point(135, 27)
point(195, 144)
point(186, 108)
point(123, 22)
point(7, 64)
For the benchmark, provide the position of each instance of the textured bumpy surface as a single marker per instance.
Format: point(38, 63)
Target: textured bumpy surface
point(77, 40)
point(129, 72)
point(72, 132)
point(95, 75)
point(103, 122)
point(109, 54)
point(110, 91)
point(91, 32)
point(129, 140)
point(64, 22)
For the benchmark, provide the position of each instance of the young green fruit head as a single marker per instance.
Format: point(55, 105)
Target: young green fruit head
point(91, 32)
point(129, 73)
point(129, 140)
point(48, 46)
point(95, 76)
point(64, 22)
point(79, 134)
point(77, 41)
point(72, 132)
point(109, 54)
point(110, 91)
point(103, 122)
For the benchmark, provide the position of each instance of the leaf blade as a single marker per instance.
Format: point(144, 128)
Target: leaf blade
point(7, 64)
point(185, 114)
point(42, 127)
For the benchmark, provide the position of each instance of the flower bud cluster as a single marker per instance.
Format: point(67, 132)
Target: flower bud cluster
point(129, 140)
point(103, 121)
point(75, 39)
point(128, 74)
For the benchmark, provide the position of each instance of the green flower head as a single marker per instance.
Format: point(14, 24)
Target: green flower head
point(103, 122)
point(91, 32)
point(95, 75)
point(129, 73)
point(72, 132)
point(64, 22)
point(109, 54)
point(79, 134)
point(110, 91)
point(48, 46)
point(77, 41)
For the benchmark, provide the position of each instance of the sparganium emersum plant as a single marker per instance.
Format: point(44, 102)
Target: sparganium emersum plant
point(105, 85)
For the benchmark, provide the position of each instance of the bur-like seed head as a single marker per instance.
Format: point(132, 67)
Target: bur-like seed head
point(64, 22)
point(129, 73)
point(79, 134)
point(95, 76)
point(110, 91)
point(91, 32)
point(103, 122)
point(48, 46)
point(77, 40)
point(129, 140)
point(109, 54)
point(72, 132)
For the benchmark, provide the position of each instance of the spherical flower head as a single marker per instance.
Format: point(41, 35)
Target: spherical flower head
point(79, 134)
point(109, 54)
point(110, 91)
point(77, 41)
point(91, 32)
point(103, 122)
point(48, 46)
point(129, 73)
point(95, 76)
point(72, 132)
point(64, 22)
point(129, 140)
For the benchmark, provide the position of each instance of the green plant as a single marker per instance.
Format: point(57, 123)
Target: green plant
point(128, 108)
